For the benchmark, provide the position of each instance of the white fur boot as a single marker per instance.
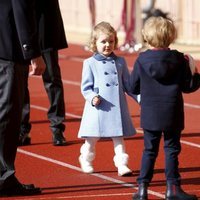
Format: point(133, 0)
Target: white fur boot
point(85, 160)
point(121, 161)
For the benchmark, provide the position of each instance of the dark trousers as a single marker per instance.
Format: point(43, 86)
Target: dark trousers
point(54, 88)
point(11, 102)
point(172, 148)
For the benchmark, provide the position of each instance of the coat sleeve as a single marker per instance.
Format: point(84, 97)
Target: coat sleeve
point(135, 79)
point(87, 82)
point(25, 19)
point(126, 81)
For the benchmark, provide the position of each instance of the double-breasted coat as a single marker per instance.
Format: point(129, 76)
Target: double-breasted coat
point(107, 77)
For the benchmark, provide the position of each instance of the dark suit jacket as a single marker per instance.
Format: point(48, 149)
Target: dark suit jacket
point(51, 29)
point(18, 30)
point(160, 76)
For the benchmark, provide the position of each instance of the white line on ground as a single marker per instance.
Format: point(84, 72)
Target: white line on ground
point(76, 83)
point(191, 105)
point(138, 130)
point(190, 144)
point(101, 176)
point(45, 109)
point(80, 196)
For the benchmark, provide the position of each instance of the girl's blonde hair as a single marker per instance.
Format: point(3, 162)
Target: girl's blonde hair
point(159, 32)
point(102, 27)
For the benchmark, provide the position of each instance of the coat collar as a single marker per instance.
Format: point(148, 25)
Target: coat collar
point(100, 57)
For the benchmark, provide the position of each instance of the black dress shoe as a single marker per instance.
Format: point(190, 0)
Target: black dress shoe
point(142, 192)
point(58, 139)
point(20, 190)
point(24, 139)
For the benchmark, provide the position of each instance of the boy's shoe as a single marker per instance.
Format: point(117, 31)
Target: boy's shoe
point(141, 193)
point(175, 192)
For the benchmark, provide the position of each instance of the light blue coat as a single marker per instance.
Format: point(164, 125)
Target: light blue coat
point(107, 77)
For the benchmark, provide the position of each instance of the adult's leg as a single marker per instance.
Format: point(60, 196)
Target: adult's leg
point(11, 98)
point(24, 138)
point(54, 88)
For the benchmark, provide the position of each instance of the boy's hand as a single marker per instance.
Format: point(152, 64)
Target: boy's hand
point(192, 63)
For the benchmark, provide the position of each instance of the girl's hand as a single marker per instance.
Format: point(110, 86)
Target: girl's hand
point(96, 101)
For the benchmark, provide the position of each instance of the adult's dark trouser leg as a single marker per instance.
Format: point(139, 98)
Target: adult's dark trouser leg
point(25, 123)
point(54, 88)
point(11, 100)
point(150, 153)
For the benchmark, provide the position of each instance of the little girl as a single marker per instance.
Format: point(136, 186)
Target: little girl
point(105, 79)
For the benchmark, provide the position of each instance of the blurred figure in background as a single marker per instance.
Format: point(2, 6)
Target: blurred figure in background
point(132, 24)
point(52, 38)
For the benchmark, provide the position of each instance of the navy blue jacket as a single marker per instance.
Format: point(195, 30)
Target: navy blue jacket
point(161, 76)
